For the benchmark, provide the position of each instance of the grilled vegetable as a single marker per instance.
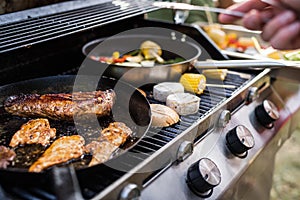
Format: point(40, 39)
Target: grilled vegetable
point(151, 50)
point(219, 74)
point(195, 83)
point(293, 56)
point(215, 32)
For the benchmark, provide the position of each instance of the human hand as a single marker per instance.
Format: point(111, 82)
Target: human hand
point(280, 27)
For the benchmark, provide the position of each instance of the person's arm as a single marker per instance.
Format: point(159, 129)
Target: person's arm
point(280, 27)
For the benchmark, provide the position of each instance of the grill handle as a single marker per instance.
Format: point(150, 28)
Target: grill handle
point(240, 64)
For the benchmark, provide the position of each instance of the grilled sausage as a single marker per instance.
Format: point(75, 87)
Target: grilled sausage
point(61, 106)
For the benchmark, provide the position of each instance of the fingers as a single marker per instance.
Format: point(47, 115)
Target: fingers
point(277, 23)
point(245, 7)
point(256, 20)
point(287, 38)
point(294, 4)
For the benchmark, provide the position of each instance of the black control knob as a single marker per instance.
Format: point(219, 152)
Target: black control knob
point(266, 113)
point(203, 176)
point(239, 140)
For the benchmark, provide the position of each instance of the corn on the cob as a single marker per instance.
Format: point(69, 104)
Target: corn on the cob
point(219, 74)
point(195, 83)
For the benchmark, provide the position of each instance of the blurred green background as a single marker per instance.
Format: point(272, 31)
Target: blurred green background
point(286, 180)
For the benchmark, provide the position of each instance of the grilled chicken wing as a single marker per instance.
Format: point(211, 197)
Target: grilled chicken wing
point(35, 131)
point(61, 150)
point(6, 156)
point(61, 106)
point(111, 138)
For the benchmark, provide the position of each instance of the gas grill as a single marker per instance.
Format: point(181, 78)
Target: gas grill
point(224, 151)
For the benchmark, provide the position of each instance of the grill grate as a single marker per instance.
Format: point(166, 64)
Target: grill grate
point(35, 30)
point(156, 138)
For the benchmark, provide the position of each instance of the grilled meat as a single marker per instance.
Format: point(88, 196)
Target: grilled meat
point(61, 106)
point(35, 131)
point(61, 150)
point(101, 151)
point(6, 156)
point(111, 138)
point(116, 133)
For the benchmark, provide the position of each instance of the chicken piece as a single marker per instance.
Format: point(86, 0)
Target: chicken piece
point(6, 156)
point(61, 150)
point(101, 151)
point(35, 131)
point(61, 106)
point(111, 138)
point(116, 133)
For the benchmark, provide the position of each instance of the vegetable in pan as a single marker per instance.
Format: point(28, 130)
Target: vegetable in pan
point(148, 55)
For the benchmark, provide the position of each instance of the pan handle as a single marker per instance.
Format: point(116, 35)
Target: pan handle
point(238, 64)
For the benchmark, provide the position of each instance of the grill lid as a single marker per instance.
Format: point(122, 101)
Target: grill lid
point(26, 28)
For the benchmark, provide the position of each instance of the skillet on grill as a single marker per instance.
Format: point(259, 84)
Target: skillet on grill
point(131, 108)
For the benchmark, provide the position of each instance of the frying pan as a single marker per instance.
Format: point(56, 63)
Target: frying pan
point(131, 107)
point(138, 76)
